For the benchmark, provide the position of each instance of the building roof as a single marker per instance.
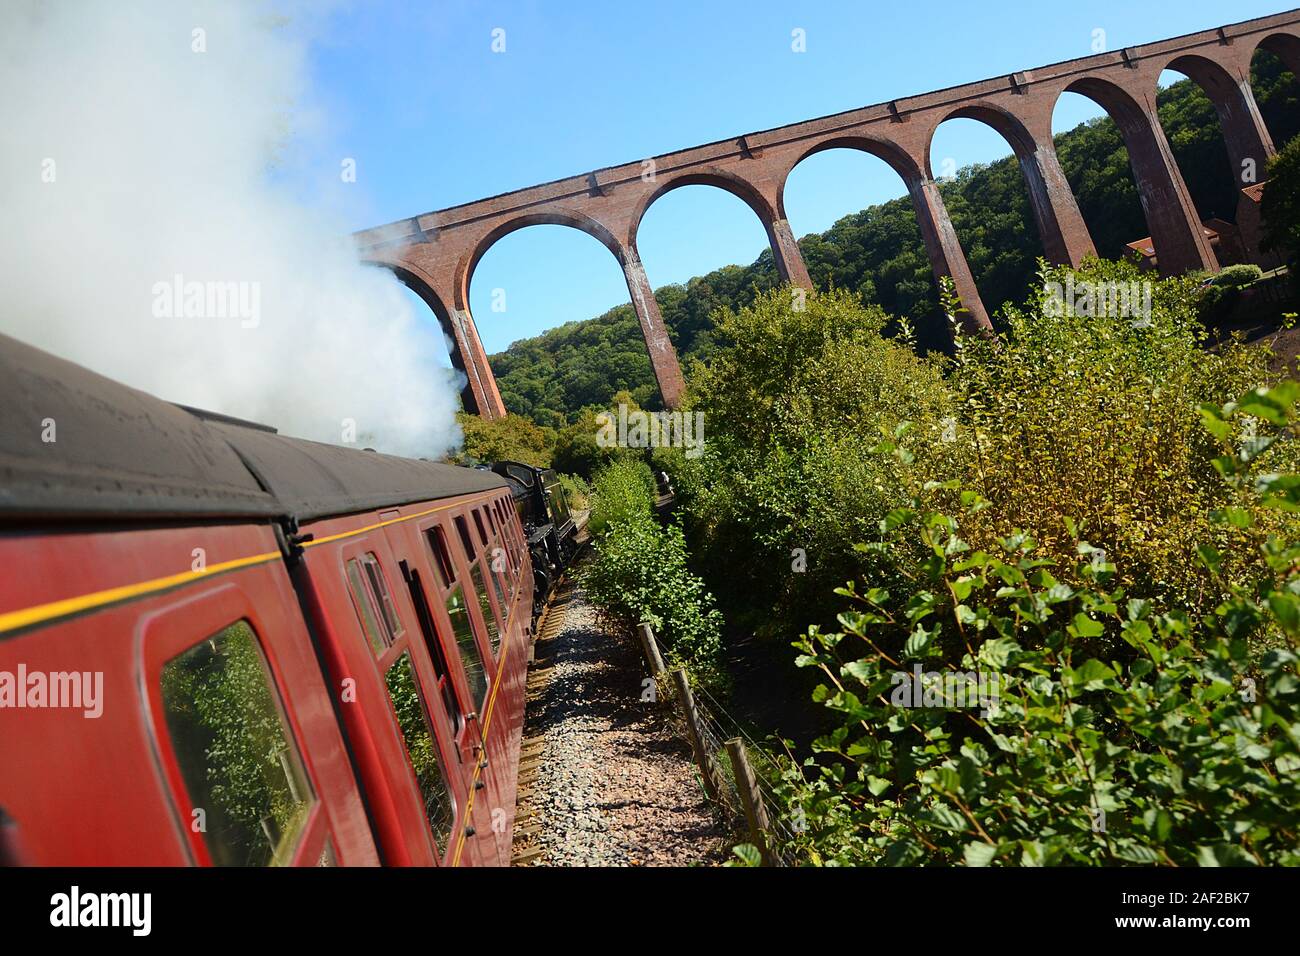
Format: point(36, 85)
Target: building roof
point(1148, 248)
point(76, 445)
point(1144, 246)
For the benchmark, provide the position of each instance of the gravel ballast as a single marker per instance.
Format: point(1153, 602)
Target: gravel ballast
point(615, 783)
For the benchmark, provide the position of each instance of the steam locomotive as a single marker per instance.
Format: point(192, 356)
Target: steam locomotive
point(548, 523)
point(224, 646)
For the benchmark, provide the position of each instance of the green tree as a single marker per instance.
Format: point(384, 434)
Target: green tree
point(791, 401)
point(513, 438)
point(1281, 202)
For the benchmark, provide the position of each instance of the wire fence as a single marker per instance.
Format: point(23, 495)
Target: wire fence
point(763, 763)
point(736, 771)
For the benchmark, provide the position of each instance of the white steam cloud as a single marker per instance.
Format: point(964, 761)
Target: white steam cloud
point(140, 142)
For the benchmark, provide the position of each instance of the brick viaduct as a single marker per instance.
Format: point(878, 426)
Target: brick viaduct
point(436, 253)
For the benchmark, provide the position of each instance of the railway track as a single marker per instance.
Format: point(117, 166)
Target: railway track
point(525, 850)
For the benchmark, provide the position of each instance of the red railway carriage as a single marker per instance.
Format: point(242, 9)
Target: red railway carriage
point(222, 646)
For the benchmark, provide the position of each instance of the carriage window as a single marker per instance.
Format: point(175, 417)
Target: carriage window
point(469, 655)
point(504, 585)
point(240, 765)
point(503, 578)
point(517, 532)
point(376, 576)
point(10, 849)
point(373, 601)
point(366, 609)
point(441, 556)
point(440, 669)
point(485, 605)
point(421, 749)
point(508, 537)
point(503, 559)
point(463, 527)
point(478, 522)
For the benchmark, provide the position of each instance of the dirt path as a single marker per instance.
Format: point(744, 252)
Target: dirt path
point(614, 784)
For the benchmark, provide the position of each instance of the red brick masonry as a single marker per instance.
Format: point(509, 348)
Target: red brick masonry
point(436, 253)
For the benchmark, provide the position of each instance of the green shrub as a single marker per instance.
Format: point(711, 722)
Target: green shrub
point(1180, 745)
point(672, 461)
point(1093, 419)
point(1065, 416)
point(1217, 303)
point(622, 490)
point(1237, 276)
point(638, 572)
point(577, 450)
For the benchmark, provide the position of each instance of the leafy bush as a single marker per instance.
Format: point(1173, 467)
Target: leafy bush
point(638, 572)
point(1180, 744)
point(1217, 304)
point(1237, 276)
point(623, 490)
point(1221, 293)
point(577, 450)
point(1066, 416)
point(1092, 419)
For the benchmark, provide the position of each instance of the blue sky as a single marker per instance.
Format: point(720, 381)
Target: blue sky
point(433, 117)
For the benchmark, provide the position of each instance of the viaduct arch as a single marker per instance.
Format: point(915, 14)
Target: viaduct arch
point(435, 253)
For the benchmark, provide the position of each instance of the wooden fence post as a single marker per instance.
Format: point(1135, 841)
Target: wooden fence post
point(707, 770)
point(651, 649)
point(751, 800)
